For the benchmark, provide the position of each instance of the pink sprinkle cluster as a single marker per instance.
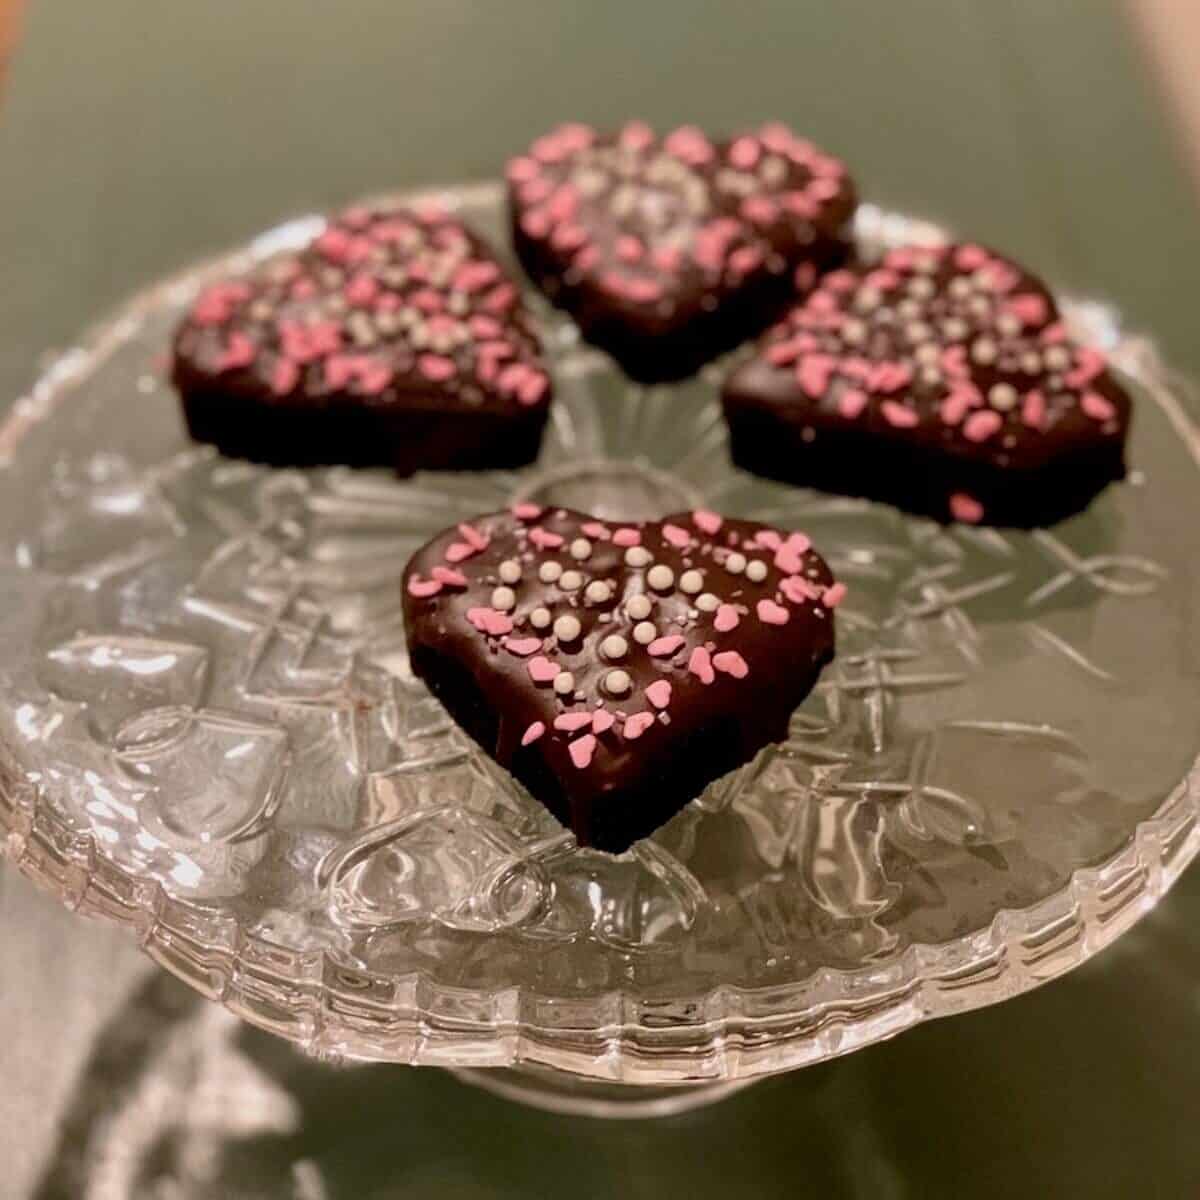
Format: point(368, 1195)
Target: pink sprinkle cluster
point(732, 204)
point(950, 338)
point(379, 300)
point(694, 643)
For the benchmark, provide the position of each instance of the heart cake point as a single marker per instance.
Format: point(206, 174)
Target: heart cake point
point(617, 676)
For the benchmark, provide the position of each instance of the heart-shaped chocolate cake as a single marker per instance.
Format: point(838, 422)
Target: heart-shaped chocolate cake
point(667, 252)
point(617, 669)
point(941, 380)
point(393, 339)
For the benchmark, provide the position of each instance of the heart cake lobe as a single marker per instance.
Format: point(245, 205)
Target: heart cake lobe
point(669, 251)
point(616, 669)
point(394, 338)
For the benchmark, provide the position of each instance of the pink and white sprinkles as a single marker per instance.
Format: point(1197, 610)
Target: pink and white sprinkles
point(609, 622)
point(951, 342)
point(636, 213)
point(384, 300)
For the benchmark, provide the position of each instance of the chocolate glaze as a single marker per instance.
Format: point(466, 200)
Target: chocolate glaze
point(941, 381)
point(392, 339)
point(735, 648)
point(669, 252)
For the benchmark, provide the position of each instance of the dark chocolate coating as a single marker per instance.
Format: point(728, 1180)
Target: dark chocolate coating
point(668, 253)
point(726, 667)
point(940, 381)
point(393, 339)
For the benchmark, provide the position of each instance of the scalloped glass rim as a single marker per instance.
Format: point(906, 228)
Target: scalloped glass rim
point(725, 1034)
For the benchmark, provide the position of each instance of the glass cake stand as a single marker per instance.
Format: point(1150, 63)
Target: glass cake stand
point(209, 733)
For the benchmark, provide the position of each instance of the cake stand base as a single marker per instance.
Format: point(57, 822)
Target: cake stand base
point(558, 1092)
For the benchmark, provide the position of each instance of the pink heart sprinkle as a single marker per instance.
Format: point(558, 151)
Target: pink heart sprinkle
point(594, 529)
point(532, 734)
point(834, 595)
point(771, 613)
point(768, 538)
point(700, 665)
point(962, 398)
point(472, 536)
point(966, 508)
point(744, 153)
point(980, 426)
point(851, 403)
point(541, 669)
point(449, 576)
point(798, 589)
point(664, 647)
point(572, 722)
point(1089, 364)
point(789, 560)
point(732, 663)
point(284, 376)
point(676, 536)
point(1029, 308)
point(1096, 406)
point(659, 693)
point(727, 618)
point(898, 415)
point(627, 537)
point(526, 512)
point(707, 522)
point(497, 624)
point(436, 367)
point(970, 257)
point(456, 552)
point(543, 539)
point(1033, 410)
point(602, 720)
point(637, 724)
point(813, 374)
point(523, 646)
point(582, 749)
point(422, 588)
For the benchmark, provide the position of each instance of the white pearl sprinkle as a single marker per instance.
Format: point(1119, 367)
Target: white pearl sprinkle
point(570, 581)
point(617, 683)
point(564, 682)
point(984, 351)
point(960, 288)
point(1031, 362)
point(549, 572)
point(1008, 324)
point(567, 628)
point(540, 618)
point(707, 602)
point(660, 577)
point(756, 570)
point(638, 556)
point(691, 582)
point(644, 633)
point(580, 549)
point(614, 646)
point(735, 564)
point(639, 607)
point(1058, 358)
point(597, 591)
point(1002, 397)
point(504, 598)
point(510, 570)
point(955, 328)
